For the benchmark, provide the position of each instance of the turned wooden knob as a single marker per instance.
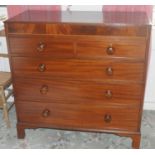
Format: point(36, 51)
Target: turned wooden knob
point(46, 113)
point(44, 89)
point(108, 94)
point(110, 50)
point(109, 71)
point(42, 67)
point(41, 47)
point(107, 118)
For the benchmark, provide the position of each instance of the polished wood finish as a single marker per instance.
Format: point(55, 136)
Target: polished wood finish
point(79, 70)
point(81, 47)
point(112, 47)
point(95, 116)
point(80, 23)
point(81, 92)
point(42, 45)
point(72, 29)
point(136, 141)
point(79, 17)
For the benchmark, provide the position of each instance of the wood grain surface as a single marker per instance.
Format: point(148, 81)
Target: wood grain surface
point(85, 71)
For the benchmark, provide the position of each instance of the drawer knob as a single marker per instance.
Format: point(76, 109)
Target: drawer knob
point(109, 71)
point(44, 89)
point(108, 94)
point(107, 118)
point(42, 67)
point(41, 47)
point(46, 113)
point(110, 50)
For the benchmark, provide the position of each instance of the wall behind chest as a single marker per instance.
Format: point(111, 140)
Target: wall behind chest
point(150, 87)
point(4, 63)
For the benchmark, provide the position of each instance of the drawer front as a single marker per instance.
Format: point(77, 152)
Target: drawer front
point(82, 116)
point(78, 92)
point(97, 47)
point(41, 46)
point(112, 47)
point(78, 69)
point(77, 28)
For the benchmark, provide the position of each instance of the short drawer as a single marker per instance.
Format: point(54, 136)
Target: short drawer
point(78, 116)
point(78, 92)
point(78, 69)
point(112, 47)
point(41, 46)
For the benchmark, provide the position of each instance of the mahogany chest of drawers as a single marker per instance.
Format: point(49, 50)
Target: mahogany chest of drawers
point(79, 70)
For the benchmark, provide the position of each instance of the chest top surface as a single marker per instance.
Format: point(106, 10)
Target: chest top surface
point(79, 23)
point(83, 17)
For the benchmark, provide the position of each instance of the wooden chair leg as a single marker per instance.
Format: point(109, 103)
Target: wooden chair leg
point(5, 110)
point(6, 115)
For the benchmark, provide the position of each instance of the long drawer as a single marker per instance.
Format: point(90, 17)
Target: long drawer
point(78, 69)
point(79, 116)
point(78, 92)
